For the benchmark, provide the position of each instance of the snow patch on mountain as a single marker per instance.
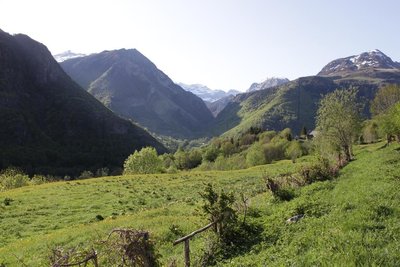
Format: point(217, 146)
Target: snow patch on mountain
point(67, 55)
point(267, 83)
point(207, 94)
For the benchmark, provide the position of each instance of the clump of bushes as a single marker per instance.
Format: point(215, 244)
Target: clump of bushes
point(12, 178)
point(321, 170)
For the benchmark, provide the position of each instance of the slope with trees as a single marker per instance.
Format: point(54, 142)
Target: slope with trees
point(51, 125)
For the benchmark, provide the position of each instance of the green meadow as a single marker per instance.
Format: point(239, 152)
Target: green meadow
point(352, 220)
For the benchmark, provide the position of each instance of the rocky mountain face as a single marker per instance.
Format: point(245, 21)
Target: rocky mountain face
point(268, 83)
point(217, 106)
point(49, 124)
point(366, 62)
point(207, 94)
point(133, 87)
point(294, 104)
point(67, 55)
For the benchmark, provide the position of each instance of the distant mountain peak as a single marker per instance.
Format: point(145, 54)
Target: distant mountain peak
point(267, 83)
point(374, 59)
point(67, 55)
point(207, 94)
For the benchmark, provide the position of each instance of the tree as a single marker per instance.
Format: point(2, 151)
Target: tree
point(144, 161)
point(385, 98)
point(390, 122)
point(294, 151)
point(338, 121)
point(255, 155)
point(370, 132)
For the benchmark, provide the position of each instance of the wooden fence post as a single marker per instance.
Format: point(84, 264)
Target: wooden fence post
point(186, 240)
point(187, 253)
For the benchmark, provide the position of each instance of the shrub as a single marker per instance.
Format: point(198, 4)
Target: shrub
point(39, 179)
point(102, 172)
point(255, 155)
point(144, 161)
point(319, 171)
point(274, 151)
point(86, 175)
point(294, 151)
point(210, 154)
point(12, 178)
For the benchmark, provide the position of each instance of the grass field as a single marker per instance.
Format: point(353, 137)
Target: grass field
point(353, 220)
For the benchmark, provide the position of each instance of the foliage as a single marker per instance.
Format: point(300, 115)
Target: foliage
point(86, 175)
point(12, 178)
point(294, 151)
point(255, 155)
point(370, 132)
point(321, 170)
point(338, 121)
point(385, 98)
point(389, 122)
point(144, 161)
point(218, 208)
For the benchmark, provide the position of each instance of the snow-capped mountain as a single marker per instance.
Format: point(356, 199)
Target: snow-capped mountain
point(205, 93)
point(269, 82)
point(67, 55)
point(374, 59)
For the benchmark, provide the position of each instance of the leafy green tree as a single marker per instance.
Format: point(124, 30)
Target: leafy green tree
point(385, 98)
point(390, 122)
point(338, 121)
point(211, 153)
point(227, 148)
point(144, 161)
point(370, 132)
point(255, 155)
point(294, 151)
point(195, 158)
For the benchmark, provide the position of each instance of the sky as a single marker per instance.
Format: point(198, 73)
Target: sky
point(224, 44)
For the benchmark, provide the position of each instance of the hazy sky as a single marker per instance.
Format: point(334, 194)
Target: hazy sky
point(224, 44)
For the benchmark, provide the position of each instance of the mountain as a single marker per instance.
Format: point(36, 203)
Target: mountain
point(67, 55)
point(206, 93)
point(217, 106)
point(365, 64)
point(268, 83)
point(49, 124)
point(294, 104)
point(132, 86)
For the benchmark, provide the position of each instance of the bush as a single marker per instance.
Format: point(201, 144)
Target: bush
point(86, 175)
point(39, 179)
point(255, 155)
point(294, 151)
point(12, 178)
point(210, 154)
point(319, 171)
point(274, 151)
point(143, 161)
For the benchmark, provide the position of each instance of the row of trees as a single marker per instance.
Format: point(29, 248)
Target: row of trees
point(253, 148)
point(339, 123)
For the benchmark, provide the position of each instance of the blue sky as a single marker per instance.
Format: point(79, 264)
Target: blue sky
point(224, 44)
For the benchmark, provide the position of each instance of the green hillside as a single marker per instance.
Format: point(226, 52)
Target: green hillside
point(352, 220)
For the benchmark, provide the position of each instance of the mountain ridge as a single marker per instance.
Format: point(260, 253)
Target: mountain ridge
point(50, 125)
point(132, 86)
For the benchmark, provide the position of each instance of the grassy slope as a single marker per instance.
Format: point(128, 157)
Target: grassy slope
point(350, 221)
point(63, 213)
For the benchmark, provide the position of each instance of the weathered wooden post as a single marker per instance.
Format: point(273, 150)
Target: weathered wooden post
point(187, 238)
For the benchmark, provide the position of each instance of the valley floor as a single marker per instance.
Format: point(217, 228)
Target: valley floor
point(352, 220)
